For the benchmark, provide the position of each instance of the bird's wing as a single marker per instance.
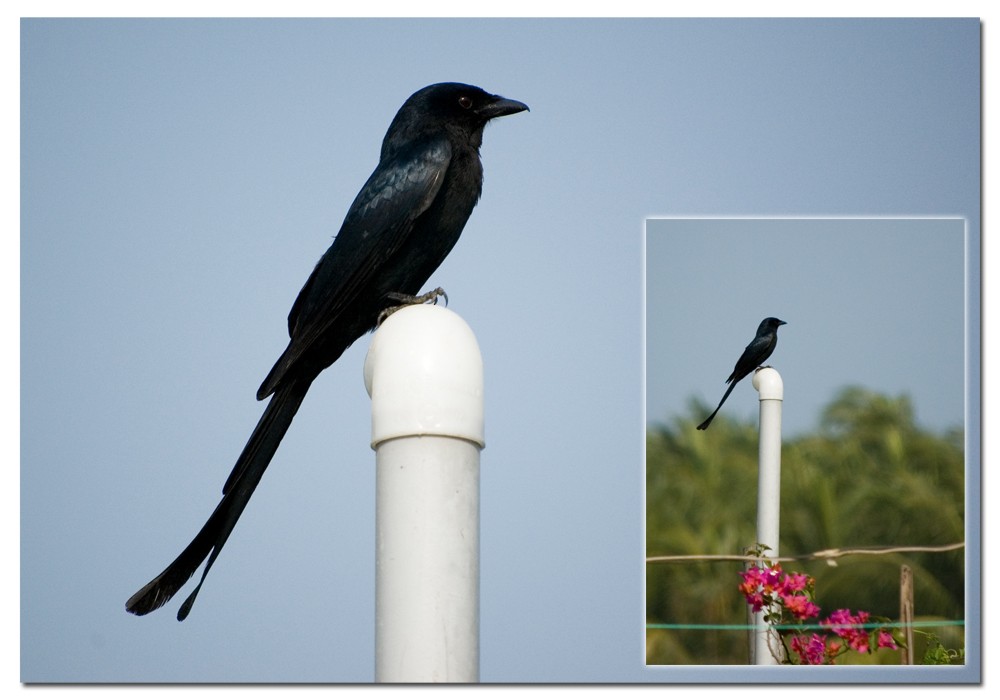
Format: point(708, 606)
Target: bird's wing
point(377, 224)
point(756, 352)
point(747, 361)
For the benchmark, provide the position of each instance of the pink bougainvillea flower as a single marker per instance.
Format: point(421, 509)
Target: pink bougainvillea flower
point(756, 601)
point(752, 580)
point(772, 577)
point(800, 606)
point(791, 594)
point(811, 650)
point(758, 582)
point(859, 643)
point(850, 628)
point(886, 641)
point(793, 583)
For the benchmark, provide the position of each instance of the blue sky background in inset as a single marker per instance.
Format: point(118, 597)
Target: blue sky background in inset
point(878, 303)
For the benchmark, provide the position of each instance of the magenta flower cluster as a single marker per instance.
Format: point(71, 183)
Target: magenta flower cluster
point(769, 585)
point(788, 597)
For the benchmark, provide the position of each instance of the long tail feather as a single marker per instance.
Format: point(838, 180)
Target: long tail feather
point(246, 474)
point(708, 421)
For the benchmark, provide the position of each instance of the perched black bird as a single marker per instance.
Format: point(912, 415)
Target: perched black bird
point(402, 224)
point(759, 349)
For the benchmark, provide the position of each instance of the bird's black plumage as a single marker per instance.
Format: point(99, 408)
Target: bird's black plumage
point(759, 349)
point(402, 224)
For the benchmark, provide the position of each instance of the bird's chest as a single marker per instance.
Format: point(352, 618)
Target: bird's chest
point(439, 228)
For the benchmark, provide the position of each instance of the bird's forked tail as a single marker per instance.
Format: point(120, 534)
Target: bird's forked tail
point(240, 485)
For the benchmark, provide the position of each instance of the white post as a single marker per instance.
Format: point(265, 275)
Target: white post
point(424, 374)
point(767, 647)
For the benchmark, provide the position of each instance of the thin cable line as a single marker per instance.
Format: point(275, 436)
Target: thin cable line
point(813, 626)
point(822, 554)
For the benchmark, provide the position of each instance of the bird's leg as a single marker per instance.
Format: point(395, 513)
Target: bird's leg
point(410, 300)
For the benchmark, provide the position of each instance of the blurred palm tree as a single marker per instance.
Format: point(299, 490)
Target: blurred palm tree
point(868, 477)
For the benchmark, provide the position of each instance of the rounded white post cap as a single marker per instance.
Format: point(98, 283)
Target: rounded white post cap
point(424, 374)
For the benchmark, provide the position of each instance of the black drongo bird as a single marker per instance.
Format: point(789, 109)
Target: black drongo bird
point(759, 349)
point(402, 224)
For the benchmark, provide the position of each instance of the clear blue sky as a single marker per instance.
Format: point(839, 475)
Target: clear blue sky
point(179, 179)
point(878, 303)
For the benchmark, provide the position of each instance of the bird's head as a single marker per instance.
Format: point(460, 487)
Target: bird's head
point(453, 107)
point(770, 324)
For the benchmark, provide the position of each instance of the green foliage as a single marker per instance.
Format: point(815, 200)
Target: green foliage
point(935, 654)
point(868, 477)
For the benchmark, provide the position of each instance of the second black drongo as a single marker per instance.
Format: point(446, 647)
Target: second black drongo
point(759, 349)
point(402, 224)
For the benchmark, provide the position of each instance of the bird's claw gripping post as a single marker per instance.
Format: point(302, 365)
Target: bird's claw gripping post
point(410, 300)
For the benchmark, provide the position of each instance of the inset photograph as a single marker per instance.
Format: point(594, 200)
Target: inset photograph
point(807, 420)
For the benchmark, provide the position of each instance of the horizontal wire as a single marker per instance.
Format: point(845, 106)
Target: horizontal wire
point(813, 626)
point(822, 554)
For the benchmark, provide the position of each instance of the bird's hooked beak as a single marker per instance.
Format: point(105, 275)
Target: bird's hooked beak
point(501, 107)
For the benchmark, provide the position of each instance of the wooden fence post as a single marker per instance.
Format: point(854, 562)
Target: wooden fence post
point(906, 612)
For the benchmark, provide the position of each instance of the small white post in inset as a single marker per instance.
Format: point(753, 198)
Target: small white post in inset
point(424, 374)
point(767, 646)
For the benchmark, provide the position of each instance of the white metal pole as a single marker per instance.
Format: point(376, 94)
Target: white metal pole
point(424, 374)
point(767, 382)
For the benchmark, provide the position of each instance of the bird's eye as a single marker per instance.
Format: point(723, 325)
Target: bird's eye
point(465, 102)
